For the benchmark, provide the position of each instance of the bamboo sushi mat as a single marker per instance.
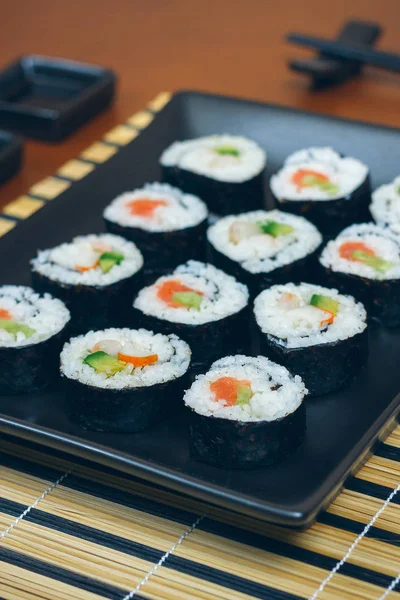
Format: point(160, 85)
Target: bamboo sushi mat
point(72, 530)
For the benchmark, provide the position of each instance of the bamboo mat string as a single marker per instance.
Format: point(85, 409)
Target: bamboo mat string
point(340, 564)
point(390, 588)
point(34, 504)
point(163, 558)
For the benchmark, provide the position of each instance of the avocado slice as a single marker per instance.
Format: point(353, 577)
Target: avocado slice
point(244, 395)
point(108, 260)
point(14, 328)
point(327, 186)
point(188, 299)
point(227, 151)
point(104, 363)
point(377, 263)
point(325, 303)
point(274, 228)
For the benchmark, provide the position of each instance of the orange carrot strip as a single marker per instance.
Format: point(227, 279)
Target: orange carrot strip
point(138, 361)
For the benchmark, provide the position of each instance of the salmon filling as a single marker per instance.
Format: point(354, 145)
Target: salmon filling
point(144, 207)
point(233, 392)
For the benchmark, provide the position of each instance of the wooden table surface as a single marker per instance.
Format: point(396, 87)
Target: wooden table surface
point(234, 47)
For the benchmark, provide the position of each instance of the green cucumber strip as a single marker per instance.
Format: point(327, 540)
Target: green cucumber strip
point(325, 303)
point(377, 263)
point(104, 363)
point(14, 328)
point(327, 186)
point(188, 299)
point(274, 228)
point(227, 151)
point(244, 395)
point(108, 260)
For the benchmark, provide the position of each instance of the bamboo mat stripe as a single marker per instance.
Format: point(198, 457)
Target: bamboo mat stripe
point(73, 530)
point(150, 554)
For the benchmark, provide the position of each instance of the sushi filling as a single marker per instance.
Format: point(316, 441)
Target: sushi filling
point(318, 174)
point(244, 388)
point(366, 250)
point(124, 358)
point(28, 318)
point(157, 207)
point(305, 315)
point(195, 293)
point(221, 157)
point(90, 260)
point(262, 241)
point(385, 207)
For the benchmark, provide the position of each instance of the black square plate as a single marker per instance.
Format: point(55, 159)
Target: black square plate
point(10, 155)
point(48, 98)
point(341, 427)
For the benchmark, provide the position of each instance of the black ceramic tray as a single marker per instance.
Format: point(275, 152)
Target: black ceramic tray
point(341, 427)
point(10, 155)
point(48, 98)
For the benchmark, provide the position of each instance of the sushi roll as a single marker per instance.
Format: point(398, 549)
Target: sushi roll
point(201, 304)
point(95, 275)
point(264, 247)
point(385, 206)
point(226, 171)
point(329, 189)
point(315, 332)
point(245, 412)
point(123, 380)
point(365, 260)
point(167, 225)
point(32, 331)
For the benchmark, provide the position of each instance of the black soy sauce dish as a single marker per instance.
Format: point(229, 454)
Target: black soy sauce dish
point(49, 98)
point(11, 153)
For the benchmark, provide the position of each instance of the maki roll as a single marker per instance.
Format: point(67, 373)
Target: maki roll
point(264, 247)
point(365, 260)
point(245, 412)
point(167, 225)
point(226, 171)
point(329, 189)
point(315, 332)
point(385, 207)
point(201, 304)
point(123, 380)
point(32, 331)
point(95, 275)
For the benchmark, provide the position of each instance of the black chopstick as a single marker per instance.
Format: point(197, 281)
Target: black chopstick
point(384, 60)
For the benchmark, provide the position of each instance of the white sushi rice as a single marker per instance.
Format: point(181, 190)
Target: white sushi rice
point(173, 359)
point(382, 241)
point(200, 156)
point(266, 404)
point(59, 263)
point(223, 295)
point(385, 207)
point(181, 210)
point(301, 327)
point(346, 172)
point(45, 314)
point(264, 253)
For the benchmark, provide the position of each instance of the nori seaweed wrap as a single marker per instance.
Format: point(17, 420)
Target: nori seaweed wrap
point(261, 248)
point(330, 190)
point(167, 225)
point(32, 331)
point(364, 260)
point(202, 305)
point(227, 172)
point(315, 332)
point(122, 380)
point(245, 412)
point(95, 275)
